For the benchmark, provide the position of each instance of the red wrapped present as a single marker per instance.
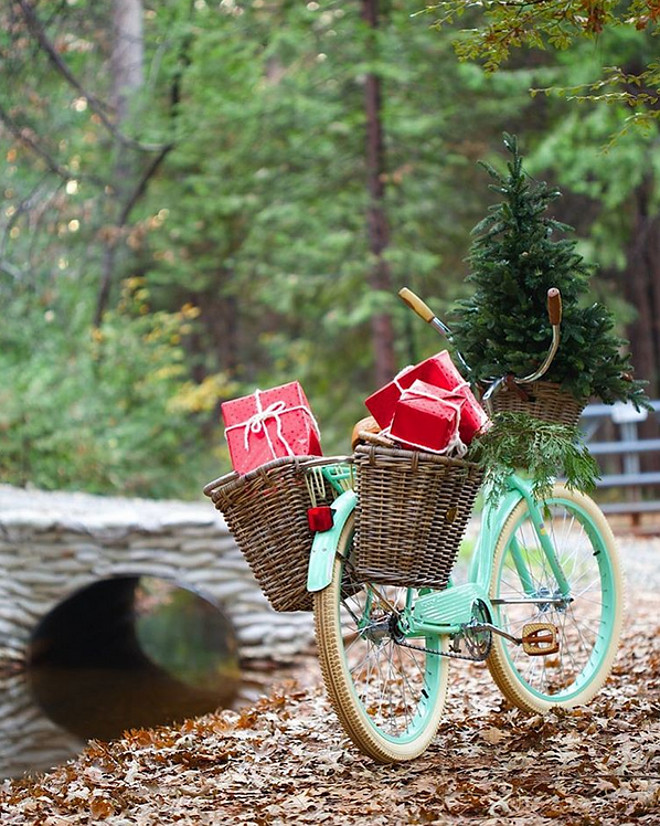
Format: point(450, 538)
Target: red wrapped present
point(270, 424)
point(473, 417)
point(428, 418)
point(440, 371)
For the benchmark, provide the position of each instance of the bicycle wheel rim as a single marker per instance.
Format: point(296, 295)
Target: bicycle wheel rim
point(395, 686)
point(389, 698)
point(588, 627)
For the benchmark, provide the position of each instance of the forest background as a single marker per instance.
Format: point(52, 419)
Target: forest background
point(203, 197)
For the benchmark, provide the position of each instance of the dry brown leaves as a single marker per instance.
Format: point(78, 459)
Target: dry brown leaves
point(285, 761)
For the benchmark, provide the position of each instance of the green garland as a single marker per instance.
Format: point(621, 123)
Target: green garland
point(542, 449)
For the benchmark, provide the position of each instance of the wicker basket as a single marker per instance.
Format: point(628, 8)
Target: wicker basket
point(266, 511)
point(546, 400)
point(412, 512)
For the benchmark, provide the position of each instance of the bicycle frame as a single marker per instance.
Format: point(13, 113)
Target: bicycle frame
point(384, 651)
point(448, 611)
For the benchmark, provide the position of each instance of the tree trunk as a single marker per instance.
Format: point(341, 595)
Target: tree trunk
point(127, 57)
point(641, 287)
point(377, 224)
point(126, 64)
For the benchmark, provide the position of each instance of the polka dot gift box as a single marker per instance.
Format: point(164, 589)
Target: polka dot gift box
point(439, 371)
point(427, 418)
point(269, 424)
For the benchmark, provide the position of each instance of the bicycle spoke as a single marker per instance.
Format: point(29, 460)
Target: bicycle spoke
point(578, 615)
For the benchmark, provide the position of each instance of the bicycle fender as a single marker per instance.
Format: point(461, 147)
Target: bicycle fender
point(322, 557)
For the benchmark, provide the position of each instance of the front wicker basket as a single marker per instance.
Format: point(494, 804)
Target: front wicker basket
point(545, 400)
point(266, 511)
point(412, 512)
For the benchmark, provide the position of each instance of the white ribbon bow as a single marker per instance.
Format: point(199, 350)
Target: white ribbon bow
point(455, 444)
point(257, 423)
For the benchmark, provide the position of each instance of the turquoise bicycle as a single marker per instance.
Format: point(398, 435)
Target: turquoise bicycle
point(542, 605)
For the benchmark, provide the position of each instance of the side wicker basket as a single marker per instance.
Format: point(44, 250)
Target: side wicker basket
point(266, 511)
point(542, 400)
point(412, 512)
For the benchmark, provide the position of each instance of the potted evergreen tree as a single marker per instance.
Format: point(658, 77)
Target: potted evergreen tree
point(517, 254)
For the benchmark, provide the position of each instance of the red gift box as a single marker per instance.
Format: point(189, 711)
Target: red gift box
point(270, 424)
point(473, 417)
point(439, 371)
point(427, 417)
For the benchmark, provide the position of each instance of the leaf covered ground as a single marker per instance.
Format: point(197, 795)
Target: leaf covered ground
point(285, 761)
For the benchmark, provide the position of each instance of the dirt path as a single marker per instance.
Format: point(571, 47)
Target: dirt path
point(285, 761)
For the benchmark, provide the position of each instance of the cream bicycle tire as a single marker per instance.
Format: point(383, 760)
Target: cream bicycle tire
point(589, 626)
point(388, 698)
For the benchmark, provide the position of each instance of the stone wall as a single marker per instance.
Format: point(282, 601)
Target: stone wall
point(54, 544)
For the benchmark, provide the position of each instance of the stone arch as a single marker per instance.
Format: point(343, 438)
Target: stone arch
point(52, 545)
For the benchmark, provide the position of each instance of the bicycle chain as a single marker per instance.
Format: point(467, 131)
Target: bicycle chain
point(452, 655)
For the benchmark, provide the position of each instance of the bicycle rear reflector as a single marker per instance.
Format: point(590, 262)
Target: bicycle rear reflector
point(320, 519)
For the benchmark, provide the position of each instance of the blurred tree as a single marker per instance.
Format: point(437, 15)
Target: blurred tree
point(229, 178)
point(81, 406)
point(612, 172)
point(378, 228)
point(605, 53)
point(497, 28)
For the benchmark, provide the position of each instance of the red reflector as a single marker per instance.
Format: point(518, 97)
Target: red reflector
point(320, 519)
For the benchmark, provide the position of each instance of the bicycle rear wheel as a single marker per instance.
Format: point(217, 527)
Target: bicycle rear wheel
point(589, 619)
point(388, 698)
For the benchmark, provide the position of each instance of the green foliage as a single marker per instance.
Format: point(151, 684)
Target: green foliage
point(544, 450)
point(515, 258)
point(253, 220)
point(493, 31)
point(97, 410)
point(266, 204)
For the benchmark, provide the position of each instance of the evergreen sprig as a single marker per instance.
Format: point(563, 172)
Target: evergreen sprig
point(515, 257)
point(544, 450)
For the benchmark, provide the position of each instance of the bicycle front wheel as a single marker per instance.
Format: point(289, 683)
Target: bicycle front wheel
point(388, 697)
point(588, 618)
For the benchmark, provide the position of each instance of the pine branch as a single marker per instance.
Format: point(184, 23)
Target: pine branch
point(543, 450)
point(516, 255)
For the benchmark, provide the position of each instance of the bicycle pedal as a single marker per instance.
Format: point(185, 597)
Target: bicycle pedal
point(539, 639)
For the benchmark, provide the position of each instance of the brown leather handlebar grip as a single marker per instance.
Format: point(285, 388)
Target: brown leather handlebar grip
point(415, 303)
point(554, 306)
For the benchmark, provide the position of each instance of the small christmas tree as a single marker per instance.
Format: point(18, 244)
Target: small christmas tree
point(515, 258)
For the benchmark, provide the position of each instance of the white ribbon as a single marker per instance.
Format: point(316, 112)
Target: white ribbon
point(455, 443)
point(459, 386)
point(257, 423)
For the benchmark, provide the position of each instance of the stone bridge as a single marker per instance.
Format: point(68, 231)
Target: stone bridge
point(54, 546)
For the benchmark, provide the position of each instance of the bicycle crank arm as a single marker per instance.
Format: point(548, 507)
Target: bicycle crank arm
point(477, 627)
point(538, 638)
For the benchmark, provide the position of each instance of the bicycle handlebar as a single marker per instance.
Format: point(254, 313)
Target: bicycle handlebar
point(554, 306)
point(416, 304)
